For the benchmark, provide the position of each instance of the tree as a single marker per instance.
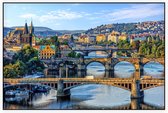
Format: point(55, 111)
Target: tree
point(6, 61)
point(54, 40)
point(15, 70)
point(73, 54)
point(20, 68)
point(25, 54)
point(135, 45)
point(34, 64)
point(9, 71)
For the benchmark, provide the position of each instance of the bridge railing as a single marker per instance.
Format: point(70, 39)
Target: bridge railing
point(97, 80)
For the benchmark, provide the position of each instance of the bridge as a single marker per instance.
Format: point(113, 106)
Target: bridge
point(63, 85)
point(109, 64)
point(109, 51)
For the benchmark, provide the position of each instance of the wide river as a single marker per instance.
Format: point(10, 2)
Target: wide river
point(95, 96)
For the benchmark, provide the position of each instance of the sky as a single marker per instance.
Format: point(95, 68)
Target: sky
point(78, 16)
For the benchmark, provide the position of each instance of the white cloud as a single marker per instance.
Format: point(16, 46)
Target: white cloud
point(60, 15)
point(29, 15)
point(55, 15)
point(135, 13)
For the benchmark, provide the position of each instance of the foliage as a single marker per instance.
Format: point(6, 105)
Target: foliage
point(15, 70)
point(6, 61)
point(73, 54)
point(25, 54)
point(34, 64)
point(25, 61)
point(9, 71)
point(152, 48)
point(48, 41)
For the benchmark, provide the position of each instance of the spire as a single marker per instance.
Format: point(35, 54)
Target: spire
point(25, 28)
point(31, 31)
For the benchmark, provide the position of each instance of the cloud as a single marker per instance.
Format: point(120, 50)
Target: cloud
point(136, 12)
point(55, 15)
point(29, 15)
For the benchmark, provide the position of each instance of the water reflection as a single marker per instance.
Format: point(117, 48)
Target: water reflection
point(94, 96)
point(154, 69)
point(95, 69)
point(127, 70)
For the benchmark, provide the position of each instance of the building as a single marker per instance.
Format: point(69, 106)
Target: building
point(100, 38)
point(123, 36)
point(21, 36)
point(137, 37)
point(46, 51)
point(66, 36)
point(92, 39)
point(83, 39)
point(113, 36)
point(13, 48)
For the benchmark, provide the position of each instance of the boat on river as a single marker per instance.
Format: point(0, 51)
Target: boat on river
point(39, 89)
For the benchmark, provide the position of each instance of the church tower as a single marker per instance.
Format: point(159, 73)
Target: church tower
point(25, 29)
point(31, 28)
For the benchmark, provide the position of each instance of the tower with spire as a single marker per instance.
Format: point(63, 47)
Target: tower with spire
point(25, 28)
point(31, 28)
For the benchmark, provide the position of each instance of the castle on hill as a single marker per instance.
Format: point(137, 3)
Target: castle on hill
point(21, 36)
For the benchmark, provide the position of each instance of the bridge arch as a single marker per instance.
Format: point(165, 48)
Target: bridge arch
point(95, 61)
point(94, 70)
point(153, 61)
point(98, 52)
point(159, 60)
point(153, 68)
point(82, 84)
point(127, 68)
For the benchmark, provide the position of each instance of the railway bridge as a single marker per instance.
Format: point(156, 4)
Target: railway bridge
point(63, 85)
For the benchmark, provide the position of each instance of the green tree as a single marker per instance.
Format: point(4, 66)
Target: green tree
point(35, 65)
point(6, 61)
point(9, 71)
point(20, 68)
point(25, 54)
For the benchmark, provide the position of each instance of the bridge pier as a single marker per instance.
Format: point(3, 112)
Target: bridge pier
point(109, 71)
point(136, 93)
point(135, 104)
point(141, 66)
point(61, 71)
point(141, 70)
point(81, 70)
point(86, 53)
point(61, 92)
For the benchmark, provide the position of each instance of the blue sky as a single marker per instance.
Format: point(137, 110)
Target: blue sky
point(80, 16)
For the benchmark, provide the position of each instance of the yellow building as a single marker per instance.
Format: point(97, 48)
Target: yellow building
point(66, 36)
point(14, 48)
point(100, 37)
point(84, 39)
point(123, 36)
point(46, 52)
point(114, 36)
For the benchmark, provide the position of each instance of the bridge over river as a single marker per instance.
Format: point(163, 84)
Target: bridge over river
point(63, 85)
point(108, 62)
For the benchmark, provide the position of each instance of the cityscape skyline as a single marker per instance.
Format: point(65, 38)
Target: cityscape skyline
point(80, 16)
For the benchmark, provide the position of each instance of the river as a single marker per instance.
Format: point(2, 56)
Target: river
point(95, 96)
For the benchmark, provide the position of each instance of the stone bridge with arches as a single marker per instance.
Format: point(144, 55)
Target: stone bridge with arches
point(108, 62)
point(110, 51)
